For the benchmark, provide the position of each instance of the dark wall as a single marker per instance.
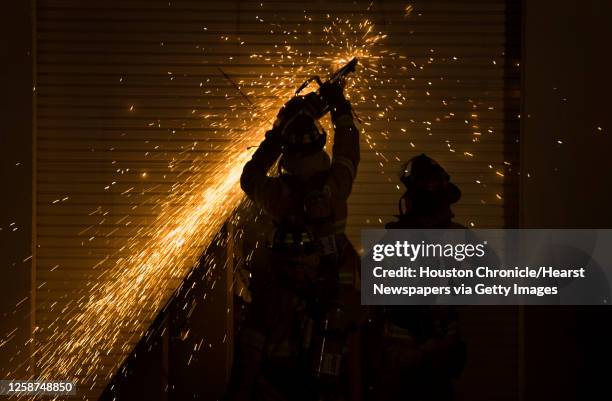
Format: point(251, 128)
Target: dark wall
point(566, 87)
point(16, 198)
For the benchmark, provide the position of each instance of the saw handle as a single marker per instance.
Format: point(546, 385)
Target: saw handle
point(315, 78)
point(335, 77)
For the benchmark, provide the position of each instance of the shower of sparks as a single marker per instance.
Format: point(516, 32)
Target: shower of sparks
point(113, 313)
point(137, 284)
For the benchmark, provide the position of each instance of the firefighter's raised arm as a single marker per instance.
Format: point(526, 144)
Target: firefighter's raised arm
point(254, 180)
point(345, 151)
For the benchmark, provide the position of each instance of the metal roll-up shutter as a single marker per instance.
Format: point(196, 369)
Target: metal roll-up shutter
point(131, 106)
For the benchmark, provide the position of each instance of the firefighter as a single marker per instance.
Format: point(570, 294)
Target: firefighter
point(293, 342)
point(415, 351)
point(428, 197)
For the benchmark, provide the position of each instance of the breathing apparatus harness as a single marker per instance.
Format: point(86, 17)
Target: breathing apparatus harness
point(309, 231)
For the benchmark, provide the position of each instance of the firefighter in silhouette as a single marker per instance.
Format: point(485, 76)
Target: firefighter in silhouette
point(415, 351)
point(294, 340)
point(428, 197)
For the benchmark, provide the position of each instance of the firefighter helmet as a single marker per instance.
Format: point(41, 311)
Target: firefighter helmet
point(299, 128)
point(423, 175)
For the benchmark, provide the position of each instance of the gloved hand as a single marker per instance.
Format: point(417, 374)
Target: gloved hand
point(333, 93)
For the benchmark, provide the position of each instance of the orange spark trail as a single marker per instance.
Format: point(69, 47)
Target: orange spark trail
point(115, 314)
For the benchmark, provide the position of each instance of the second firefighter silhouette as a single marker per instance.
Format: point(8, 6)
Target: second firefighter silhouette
point(428, 197)
point(414, 352)
point(294, 340)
